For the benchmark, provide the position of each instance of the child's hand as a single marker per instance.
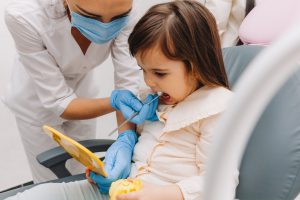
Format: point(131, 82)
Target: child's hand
point(150, 192)
point(146, 193)
point(87, 175)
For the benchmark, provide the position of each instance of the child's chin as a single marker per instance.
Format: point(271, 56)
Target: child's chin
point(168, 102)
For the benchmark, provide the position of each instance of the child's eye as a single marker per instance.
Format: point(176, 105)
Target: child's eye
point(159, 74)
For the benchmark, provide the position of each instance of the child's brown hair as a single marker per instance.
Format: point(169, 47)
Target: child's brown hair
point(186, 31)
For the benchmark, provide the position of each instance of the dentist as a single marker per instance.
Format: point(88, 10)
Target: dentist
point(58, 43)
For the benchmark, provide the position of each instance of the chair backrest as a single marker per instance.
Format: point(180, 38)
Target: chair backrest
point(270, 168)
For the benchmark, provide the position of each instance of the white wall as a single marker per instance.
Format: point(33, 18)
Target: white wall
point(13, 165)
point(14, 169)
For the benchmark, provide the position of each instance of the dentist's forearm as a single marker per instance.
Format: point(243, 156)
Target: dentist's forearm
point(80, 109)
point(128, 125)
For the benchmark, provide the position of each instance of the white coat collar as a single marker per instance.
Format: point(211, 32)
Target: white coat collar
point(201, 104)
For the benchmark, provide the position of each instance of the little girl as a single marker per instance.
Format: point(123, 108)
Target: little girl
point(177, 46)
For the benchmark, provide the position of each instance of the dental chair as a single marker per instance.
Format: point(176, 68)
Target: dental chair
point(271, 163)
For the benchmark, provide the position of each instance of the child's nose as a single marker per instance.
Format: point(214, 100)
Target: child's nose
point(149, 82)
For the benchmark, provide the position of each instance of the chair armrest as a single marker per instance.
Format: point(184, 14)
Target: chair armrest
point(55, 158)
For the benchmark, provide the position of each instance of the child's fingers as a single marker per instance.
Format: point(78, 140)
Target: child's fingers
point(129, 196)
point(90, 180)
point(87, 175)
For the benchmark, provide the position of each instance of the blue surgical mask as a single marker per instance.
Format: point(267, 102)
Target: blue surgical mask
point(96, 31)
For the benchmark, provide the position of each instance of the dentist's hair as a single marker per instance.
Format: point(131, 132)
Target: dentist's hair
point(185, 31)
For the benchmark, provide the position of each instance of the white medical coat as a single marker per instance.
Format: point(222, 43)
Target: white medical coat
point(50, 69)
point(229, 15)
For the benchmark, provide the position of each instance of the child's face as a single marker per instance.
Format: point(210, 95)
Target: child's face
point(167, 76)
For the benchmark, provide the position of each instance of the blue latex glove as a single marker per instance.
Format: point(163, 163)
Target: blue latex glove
point(117, 161)
point(128, 104)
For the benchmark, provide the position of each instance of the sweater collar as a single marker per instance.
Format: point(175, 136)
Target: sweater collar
point(203, 103)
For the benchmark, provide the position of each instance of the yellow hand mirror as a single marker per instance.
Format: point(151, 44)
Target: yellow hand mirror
point(77, 151)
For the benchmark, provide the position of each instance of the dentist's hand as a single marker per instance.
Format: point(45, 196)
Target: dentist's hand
point(117, 161)
point(128, 104)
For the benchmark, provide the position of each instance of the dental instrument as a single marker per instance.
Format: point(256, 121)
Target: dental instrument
point(133, 115)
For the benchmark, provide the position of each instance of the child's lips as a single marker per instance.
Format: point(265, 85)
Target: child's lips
point(165, 97)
